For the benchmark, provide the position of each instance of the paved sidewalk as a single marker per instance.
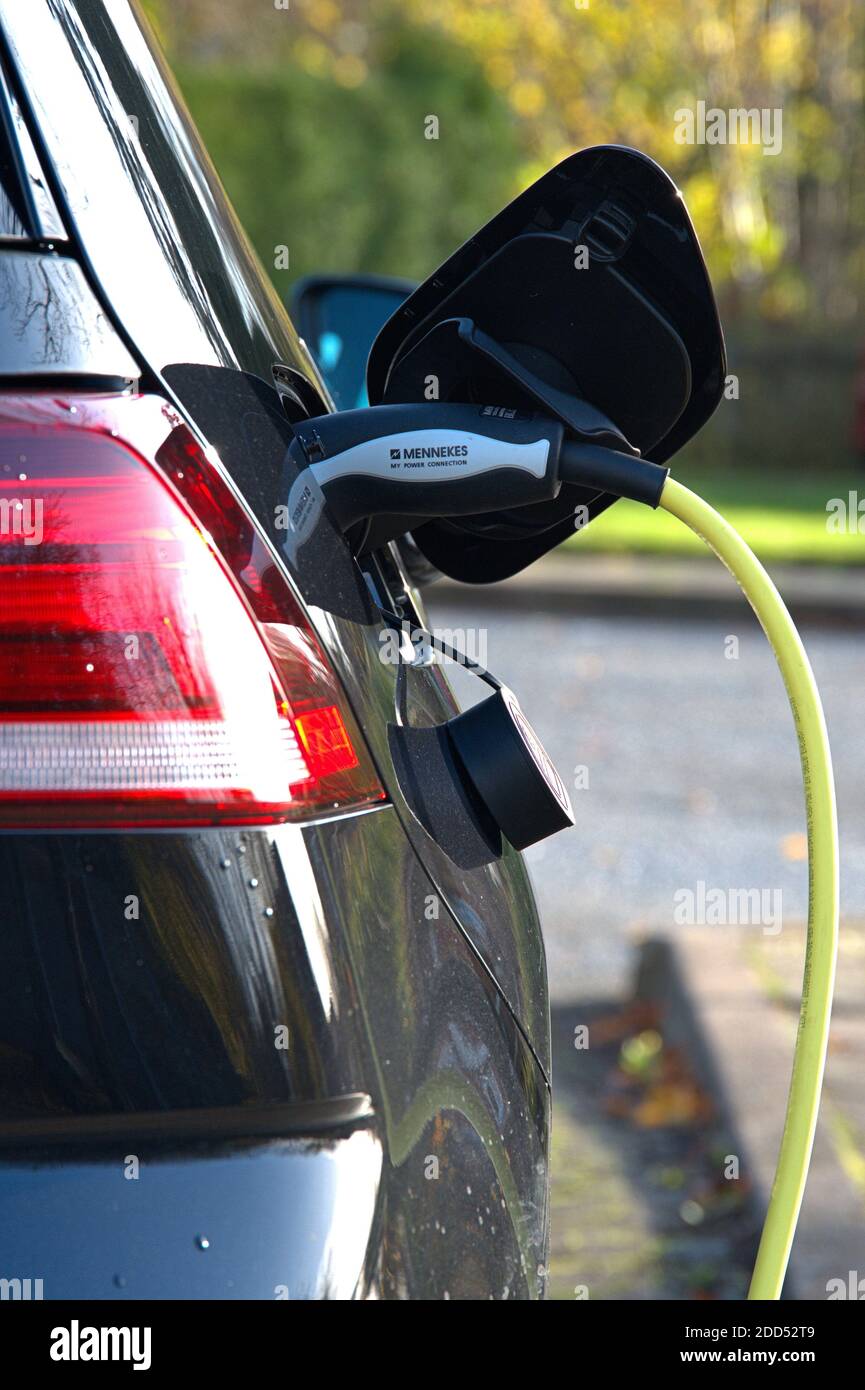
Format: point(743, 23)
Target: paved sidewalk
point(745, 987)
point(640, 1205)
point(637, 584)
point(645, 1204)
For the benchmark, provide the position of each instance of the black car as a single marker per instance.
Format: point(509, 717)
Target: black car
point(261, 1034)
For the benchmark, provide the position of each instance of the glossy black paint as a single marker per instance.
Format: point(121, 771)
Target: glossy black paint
point(29, 211)
point(53, 326)
point(210, 1221)
point(375, 989)
point(146, 207)
point(395, 972)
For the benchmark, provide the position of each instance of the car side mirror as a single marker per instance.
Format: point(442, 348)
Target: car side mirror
point(338, 316)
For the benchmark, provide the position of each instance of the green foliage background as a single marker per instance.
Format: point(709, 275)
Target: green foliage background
point(314, 113)
point(342, 175)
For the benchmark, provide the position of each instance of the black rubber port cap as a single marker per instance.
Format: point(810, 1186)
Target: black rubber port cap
point(510, 770)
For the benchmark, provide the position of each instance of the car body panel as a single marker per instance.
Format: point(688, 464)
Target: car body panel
point(52, 324)
point(188, 1004)
point(395, 972)
point(157, 229)
point(182, 1224)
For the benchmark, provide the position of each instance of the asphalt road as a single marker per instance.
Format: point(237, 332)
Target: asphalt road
point(678, 747)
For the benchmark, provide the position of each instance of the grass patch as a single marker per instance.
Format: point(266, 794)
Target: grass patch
point(782, 517)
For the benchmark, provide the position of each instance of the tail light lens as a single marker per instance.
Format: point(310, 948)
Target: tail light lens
point(155, 667)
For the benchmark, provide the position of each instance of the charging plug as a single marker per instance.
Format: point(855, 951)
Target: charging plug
point(413, 462)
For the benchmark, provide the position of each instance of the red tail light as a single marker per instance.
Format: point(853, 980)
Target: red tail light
point(155, 667)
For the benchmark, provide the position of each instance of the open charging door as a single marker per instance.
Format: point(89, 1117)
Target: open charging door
point(586, 299)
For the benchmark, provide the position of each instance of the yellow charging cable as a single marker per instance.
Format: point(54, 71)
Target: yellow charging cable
point(822, 945)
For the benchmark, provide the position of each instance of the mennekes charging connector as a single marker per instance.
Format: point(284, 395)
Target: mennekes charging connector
point(392, 466)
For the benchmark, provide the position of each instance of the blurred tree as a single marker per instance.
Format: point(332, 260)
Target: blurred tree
point(320, 106)
point(783, 232)
point(327, 147)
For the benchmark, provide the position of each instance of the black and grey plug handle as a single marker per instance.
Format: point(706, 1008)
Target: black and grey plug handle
point(439, 460)
point(425, 460)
